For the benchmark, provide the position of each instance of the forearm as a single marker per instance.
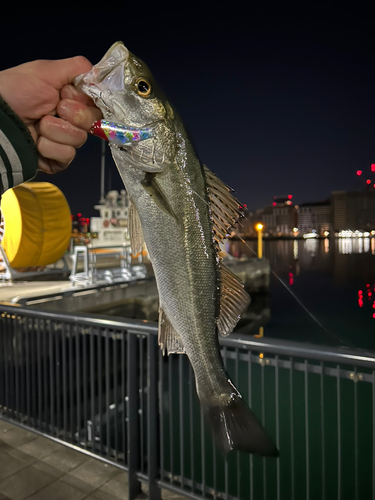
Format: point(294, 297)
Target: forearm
point(18, 153)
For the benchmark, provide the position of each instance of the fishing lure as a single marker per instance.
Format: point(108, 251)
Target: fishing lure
point(118, 134)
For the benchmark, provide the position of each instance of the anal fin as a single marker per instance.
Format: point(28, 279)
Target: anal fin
point(233, 300)
point(169, 340)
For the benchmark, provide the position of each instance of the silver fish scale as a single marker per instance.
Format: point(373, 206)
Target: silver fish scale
point(187, 277)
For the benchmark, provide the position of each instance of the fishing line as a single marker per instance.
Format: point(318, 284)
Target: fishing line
point(334, 335)
point(298, 300)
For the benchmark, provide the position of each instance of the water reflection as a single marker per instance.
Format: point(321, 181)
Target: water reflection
point(356, 245)
point(295, 249)
point(366, 244)
point(366, 299)
point(326, 275)
point(312, 246)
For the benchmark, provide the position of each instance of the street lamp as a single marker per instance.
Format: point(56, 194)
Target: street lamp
point(259, 228)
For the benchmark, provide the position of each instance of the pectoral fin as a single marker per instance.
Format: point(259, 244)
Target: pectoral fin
point(169, 340)
point(233, 301)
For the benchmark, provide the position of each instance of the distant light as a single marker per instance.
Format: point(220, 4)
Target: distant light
point(359, 172)
point(259, 226)
point(295, 230)
point(79, 215)
point(290, 196)
point(288, 202)
point(373, 315)
point(368, 181)
point(373, 167)
point(274, 203)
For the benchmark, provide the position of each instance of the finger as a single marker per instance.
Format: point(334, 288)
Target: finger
point(61, 153)
point(61, 131)
point(78, 114)
point(50, 166)
point(71, 92)
point(63, 71)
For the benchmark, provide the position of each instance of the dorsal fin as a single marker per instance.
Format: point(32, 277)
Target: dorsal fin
point(169, 340)
point(225, 212)
point(135, 229)
point(233, 300)
point(225, 208)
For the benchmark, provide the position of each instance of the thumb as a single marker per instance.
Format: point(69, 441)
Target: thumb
point(63, 71)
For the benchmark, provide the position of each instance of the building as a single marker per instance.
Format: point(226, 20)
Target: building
point(354, 210)
point(315, 217)
point(281, 217)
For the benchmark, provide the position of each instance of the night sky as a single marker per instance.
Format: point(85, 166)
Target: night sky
point(274, 105)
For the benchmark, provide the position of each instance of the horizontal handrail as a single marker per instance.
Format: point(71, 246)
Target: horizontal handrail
point(357, 357)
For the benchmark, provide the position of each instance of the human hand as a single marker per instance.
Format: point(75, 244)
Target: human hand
point(56, 113)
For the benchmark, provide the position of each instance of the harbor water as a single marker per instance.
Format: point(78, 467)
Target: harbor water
point(321, 290)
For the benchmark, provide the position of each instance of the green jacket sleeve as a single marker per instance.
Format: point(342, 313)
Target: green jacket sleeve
point(18, 153)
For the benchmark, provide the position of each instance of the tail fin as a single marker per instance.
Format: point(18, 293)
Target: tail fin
point(235, 427)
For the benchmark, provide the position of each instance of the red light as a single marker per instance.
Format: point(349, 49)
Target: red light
point(87, 220)
point(290, 196)
point(368, 181)
point(373, 315)
point(79, 215)
point(274, 203)
point(373, 167)
point(360, 292)
point(359, 172)
point(368, 285)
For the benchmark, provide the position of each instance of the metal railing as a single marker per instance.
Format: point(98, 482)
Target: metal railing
point(102, 386)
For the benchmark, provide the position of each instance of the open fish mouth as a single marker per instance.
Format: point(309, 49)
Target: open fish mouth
point(107, 75)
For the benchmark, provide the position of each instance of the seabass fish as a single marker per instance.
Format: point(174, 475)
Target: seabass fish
point(182, 212)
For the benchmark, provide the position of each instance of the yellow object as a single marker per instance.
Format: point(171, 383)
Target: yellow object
point(259, 336)
point(37, 224)
point(259, 228)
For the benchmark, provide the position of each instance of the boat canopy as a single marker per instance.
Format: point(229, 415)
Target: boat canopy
point(37, 224)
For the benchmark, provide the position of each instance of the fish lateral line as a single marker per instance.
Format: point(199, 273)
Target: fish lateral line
point(119, 134)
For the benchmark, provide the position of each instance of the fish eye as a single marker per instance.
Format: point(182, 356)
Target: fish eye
point(143, 86)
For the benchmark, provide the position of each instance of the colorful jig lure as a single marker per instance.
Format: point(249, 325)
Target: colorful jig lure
point(118, 134)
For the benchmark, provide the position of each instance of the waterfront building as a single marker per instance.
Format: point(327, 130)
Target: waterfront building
point(314, 217)
point(281, 217)
point(354, 210)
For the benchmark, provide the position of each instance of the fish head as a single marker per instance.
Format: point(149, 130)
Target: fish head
point(123, 88)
